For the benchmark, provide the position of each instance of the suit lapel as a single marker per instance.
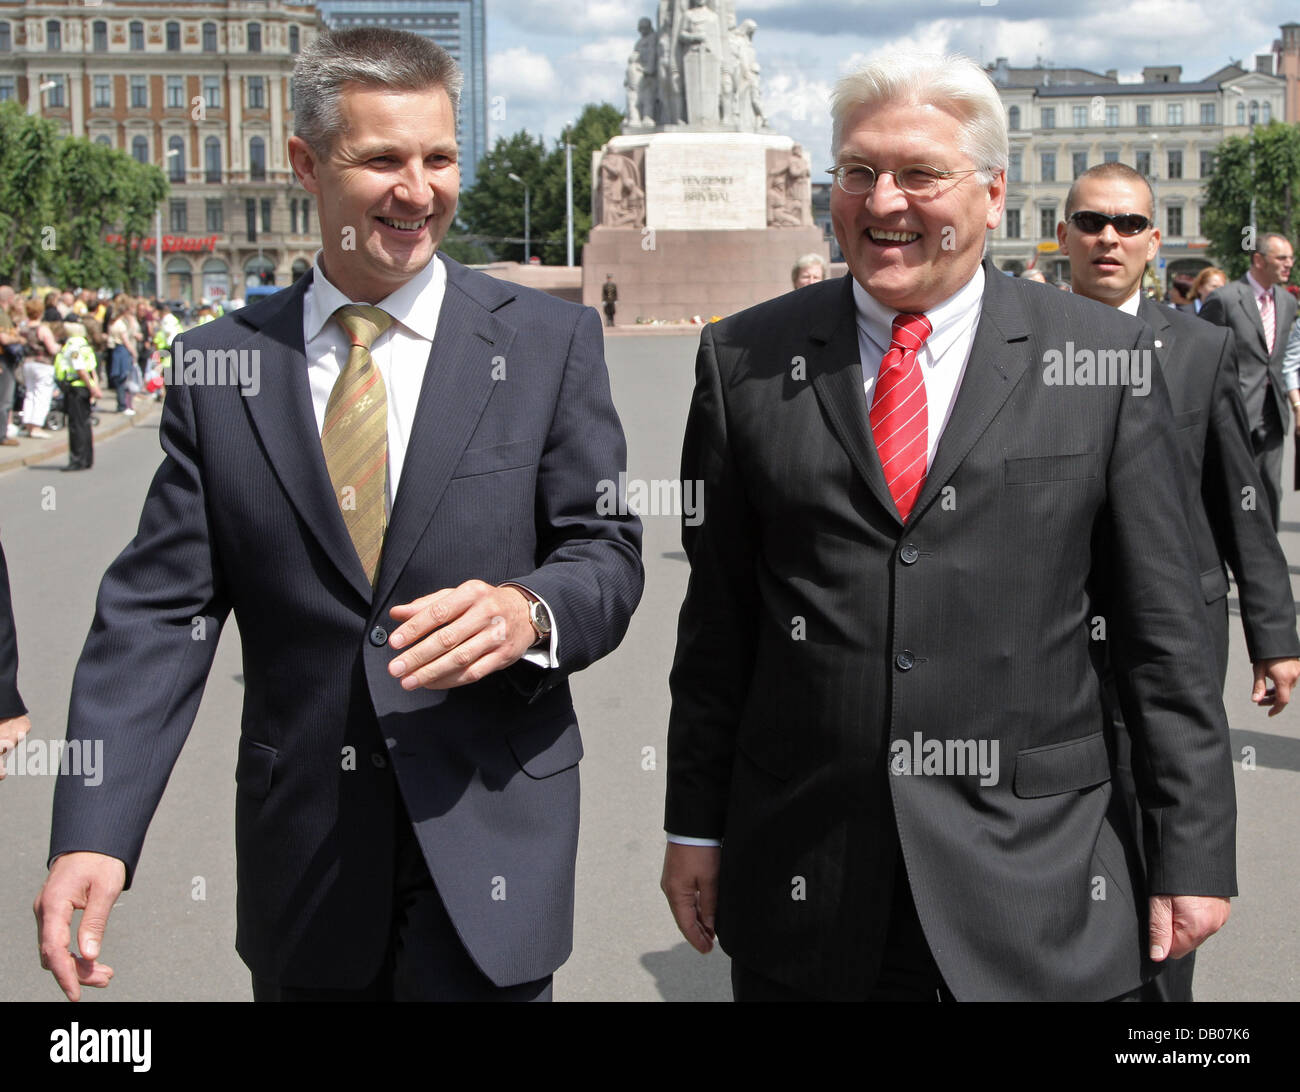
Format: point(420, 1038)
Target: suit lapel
point(835, 365)
point(458, 381)
point(285, 421)
point(1165, 333)
point(998, 359)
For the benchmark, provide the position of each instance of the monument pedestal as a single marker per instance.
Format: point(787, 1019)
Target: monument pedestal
point(674, 274)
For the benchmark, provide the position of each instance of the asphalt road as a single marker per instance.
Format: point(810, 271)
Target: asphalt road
point(171, 936)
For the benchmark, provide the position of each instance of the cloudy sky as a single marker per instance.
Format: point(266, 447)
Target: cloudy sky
point(546, 58)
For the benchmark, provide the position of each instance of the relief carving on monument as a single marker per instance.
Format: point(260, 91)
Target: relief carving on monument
point(789, 188)
point(620, 190)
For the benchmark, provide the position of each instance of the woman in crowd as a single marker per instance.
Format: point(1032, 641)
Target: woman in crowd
point(42, 344)
point(1207, 280)
point(124, 344)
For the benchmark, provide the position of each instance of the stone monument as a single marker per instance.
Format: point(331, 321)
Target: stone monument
point(699, 208)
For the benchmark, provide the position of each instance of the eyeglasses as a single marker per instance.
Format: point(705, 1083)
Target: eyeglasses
point(1094, 223)
point(918, 180)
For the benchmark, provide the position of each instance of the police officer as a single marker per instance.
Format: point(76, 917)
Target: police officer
point(609, 296)
point(76, 375)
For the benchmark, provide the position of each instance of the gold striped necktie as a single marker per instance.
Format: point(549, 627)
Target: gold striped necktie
point(355, 435)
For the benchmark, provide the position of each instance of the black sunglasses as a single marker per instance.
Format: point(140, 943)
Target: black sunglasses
point(1094, 223)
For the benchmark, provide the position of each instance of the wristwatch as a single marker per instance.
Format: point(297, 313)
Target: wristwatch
point(538, 615)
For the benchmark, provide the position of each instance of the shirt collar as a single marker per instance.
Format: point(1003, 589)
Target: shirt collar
point(948, 319)
point(1130, 305)
point(415, 305)
point(1256, 288)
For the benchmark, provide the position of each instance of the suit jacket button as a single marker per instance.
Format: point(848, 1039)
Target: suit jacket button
point(379, 636)
point(378, 761)
point(904, 661)
point(909, 554)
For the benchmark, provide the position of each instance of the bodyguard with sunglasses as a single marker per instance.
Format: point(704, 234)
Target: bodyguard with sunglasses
point(1109, 238)
point(888, 772)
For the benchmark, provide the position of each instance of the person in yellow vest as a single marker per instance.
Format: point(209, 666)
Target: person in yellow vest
point(75, 373)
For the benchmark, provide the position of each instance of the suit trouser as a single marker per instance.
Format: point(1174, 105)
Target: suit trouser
point(81, 440)
point(1266, 439)
point(426, 960)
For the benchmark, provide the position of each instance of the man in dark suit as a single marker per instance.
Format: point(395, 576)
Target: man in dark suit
point(406, 824)
point(1260, 312)
point(14, 724)
point(1109, 236)
point(887, 710)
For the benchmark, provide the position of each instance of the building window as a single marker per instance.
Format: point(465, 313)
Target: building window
point(173, 37)
point(1241, 113)
point(53, 36)
point(1112, 117)
point(1265, 112)
point(293, 39)
point(1175, 163)
point(256, 93)
point(250, 218)
point(1207, 113)
point(6, 38)
point(1174, 113)
point(1078, 163)
point(140, 149)
point(175, 92)
point(209, 37)
point(1013, 118)
point(139, 91)
point(1144, 115)
point(215, 214)
point(1047, 222)
point(8, 88)
point(1049, 117)
point(137, 37)
point(257, 159)
point(55, 96)
point(99, 36)
point(212, 160)
point(105, 141)
point(1142, 163)
point(306, 215)
point(1174, 220)
point(101, 92)
point(1080, 117)
point(1110, 155)
point(293, 216)
point(254, 37)
point(1048, 167)
point(212, 92)
point(292, 93)
point(1013, 223)
point(1207, 163)
point(179, 218)
point(266, 214)
point(176, 163)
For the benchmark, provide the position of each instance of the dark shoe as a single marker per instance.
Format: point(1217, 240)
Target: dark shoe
point(74, 466)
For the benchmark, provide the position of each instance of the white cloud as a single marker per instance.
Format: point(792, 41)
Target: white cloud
point(520, 71)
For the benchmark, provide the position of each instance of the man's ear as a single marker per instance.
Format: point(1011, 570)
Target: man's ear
point(305, 164)
point(1061, 236)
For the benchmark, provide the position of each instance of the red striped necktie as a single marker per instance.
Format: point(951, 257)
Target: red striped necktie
point(900, 414)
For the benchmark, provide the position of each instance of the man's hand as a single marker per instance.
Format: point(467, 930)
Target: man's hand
point(1182, 923)
point(469, 632)
point(12, 732)
point(1283, 672)
point(91, 883)
point(690, 884)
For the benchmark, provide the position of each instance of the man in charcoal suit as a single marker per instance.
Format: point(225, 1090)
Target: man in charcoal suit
point(1260, 313)
point(397, 500)
point(889, 764)
point(14, 724)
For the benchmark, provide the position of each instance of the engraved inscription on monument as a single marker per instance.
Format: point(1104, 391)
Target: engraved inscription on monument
point(705, 185)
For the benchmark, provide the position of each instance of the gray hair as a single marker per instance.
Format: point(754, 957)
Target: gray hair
point(803, 263)
point(372, 56)
point(1261, 247)
point(952, 83)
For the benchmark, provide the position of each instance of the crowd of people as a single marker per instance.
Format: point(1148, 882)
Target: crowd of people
point(60, 350)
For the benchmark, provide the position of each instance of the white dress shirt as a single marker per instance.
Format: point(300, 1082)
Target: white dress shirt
point(943, 360)
point(401, 353)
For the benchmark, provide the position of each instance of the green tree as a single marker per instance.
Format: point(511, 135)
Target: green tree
point(142, 189)
point(492, 212)
point(1274, 179)
point(27, 165)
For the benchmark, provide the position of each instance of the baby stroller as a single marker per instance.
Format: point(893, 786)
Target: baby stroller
point(58, 418)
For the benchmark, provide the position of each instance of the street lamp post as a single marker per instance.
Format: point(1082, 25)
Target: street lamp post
point(528, 253)
point(1252, 116)
point(568, 193)
point(157, 235)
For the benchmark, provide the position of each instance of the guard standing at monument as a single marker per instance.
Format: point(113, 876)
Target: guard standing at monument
point(609, 297)
point(75, 373)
